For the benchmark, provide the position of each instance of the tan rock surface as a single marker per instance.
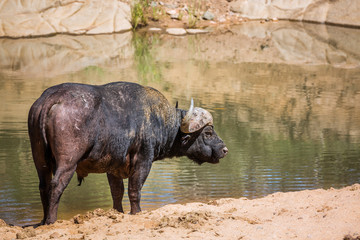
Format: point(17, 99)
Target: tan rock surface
point(38, 18)
point(345, 12)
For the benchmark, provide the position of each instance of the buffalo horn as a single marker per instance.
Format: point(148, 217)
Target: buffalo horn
point(189, 113)
point(195, 119)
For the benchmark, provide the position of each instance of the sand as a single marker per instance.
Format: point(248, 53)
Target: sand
point(309, 214)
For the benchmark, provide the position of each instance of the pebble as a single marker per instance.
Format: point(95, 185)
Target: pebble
point(176, 31)
point(55, 235)
point(2, 223)
point(154, 29)
point(196, 31)
point(175, 16)
point(173, 6)
point(222, 19)
point(171, 12)
point(208, 15)
point(21, 235)
point(26, 233)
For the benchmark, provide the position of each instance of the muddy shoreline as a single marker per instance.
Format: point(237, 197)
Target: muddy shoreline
point(308, 214)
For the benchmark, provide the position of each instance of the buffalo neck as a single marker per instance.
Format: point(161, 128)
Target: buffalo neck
point(175, 149)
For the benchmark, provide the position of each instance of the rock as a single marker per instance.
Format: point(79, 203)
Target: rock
point(21, 235)
point(196, 31)
point(39, 18)
point(345, 12)
point(55, 235)
point(354, 237)
point(2, 223)
point(208, 16)
point(222, 19)
point(250, 9)
point(171, 12)
point(173, 6)
point(78, 219)
point(26, 233)
point(336, 58)
point(176, 31)
point(154, 29)
point(36, 17)
point(175, 16)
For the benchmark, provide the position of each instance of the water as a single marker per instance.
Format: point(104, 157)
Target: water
point(285, 99)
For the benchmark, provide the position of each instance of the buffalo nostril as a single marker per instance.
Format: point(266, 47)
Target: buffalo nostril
point(225, 150)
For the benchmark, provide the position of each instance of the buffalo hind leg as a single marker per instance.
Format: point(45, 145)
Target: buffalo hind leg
point(61, 179)
point(44, 187)
point(136, 182)
point(42, 162)
point(117, 191)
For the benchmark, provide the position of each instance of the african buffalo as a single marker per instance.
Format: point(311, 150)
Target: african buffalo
point(119, 129)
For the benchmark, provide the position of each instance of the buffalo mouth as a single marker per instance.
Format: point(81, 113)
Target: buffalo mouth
point(221, 154)
point(214, 159)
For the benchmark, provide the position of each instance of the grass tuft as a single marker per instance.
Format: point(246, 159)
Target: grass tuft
point(138, 13)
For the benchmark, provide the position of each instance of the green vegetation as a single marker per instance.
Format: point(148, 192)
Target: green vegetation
point(156, 13)
point(196, 7)
point(194, 11)
point(142, 10)
point(148, 68)
point(138, 13)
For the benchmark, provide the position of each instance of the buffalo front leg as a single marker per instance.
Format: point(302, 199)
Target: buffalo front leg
point(117, 191)
point(58, 184)
point(136, 182)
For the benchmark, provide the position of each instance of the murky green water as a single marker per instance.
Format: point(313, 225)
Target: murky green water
point(285, 99)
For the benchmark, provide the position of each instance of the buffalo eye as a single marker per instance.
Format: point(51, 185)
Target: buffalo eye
point(208, 133)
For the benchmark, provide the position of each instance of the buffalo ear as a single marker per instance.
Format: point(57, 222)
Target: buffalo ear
point(185, 139)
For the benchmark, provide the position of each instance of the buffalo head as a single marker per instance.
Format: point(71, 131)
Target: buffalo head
point(199, 139)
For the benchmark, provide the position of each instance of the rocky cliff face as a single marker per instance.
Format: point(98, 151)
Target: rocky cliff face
point(342, 12)
point(46, 17)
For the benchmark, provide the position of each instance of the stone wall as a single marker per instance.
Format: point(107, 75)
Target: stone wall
point(342, 12)
point(46, 17)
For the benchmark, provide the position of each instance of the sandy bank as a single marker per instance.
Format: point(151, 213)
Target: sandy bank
point(309, 214)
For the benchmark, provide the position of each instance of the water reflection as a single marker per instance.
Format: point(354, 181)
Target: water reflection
point(288, 112)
